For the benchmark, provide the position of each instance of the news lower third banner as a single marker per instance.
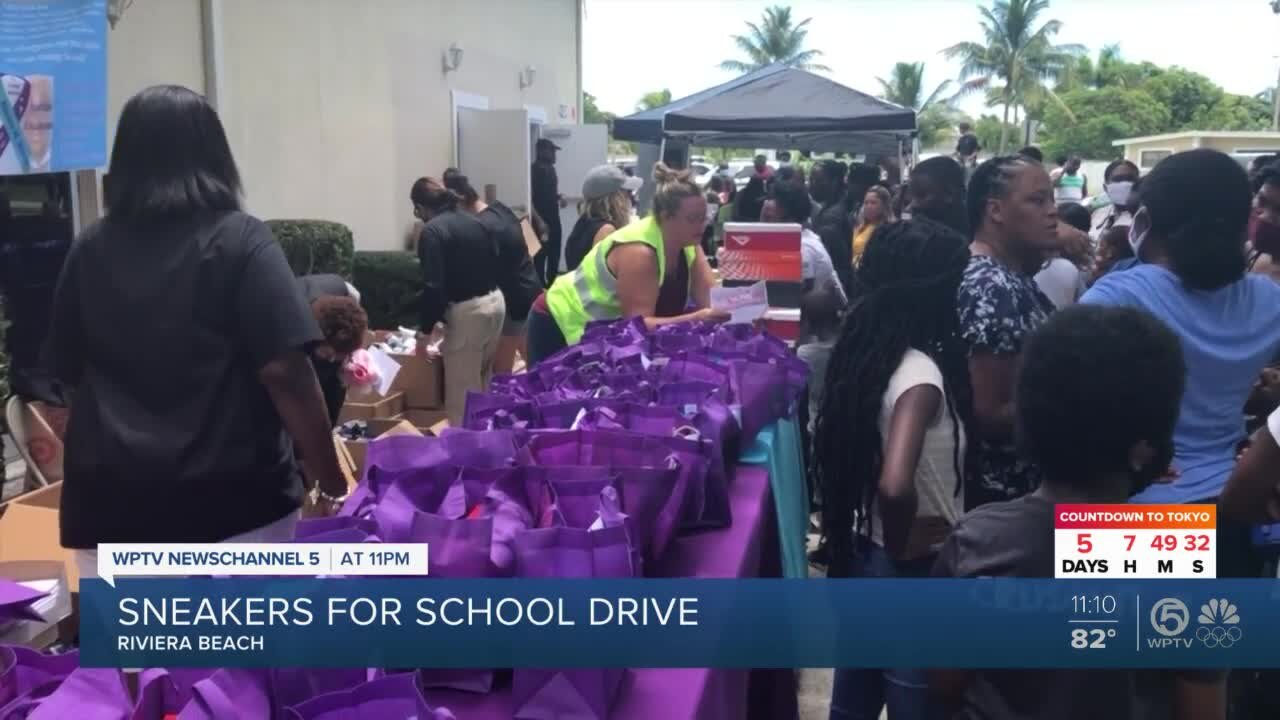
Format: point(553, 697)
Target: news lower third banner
point(443, 623)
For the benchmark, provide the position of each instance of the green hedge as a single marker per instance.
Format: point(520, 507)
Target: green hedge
point(315, 246)
point(390, 285)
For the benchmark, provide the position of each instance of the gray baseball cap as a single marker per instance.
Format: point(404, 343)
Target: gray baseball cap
point(605, 179)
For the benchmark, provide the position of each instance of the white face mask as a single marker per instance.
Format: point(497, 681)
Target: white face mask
point(1119, 192)
point(1138, 232)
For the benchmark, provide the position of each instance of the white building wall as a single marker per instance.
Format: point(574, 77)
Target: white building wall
point(334, 107)
point(156, 42)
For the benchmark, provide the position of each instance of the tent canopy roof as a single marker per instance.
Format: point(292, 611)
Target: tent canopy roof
point(775, 106)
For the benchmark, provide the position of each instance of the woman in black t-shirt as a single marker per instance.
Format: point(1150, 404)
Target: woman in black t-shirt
point(605, 207)
point(518, 280)
point(180, 326)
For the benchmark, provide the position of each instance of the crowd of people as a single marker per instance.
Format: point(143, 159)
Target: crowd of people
point(986, 340)
point(1015, 343)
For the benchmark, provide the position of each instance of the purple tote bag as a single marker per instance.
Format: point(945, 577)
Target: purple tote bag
point(87, 694)
point(492, 411)
point(162, 691)
point(394, 696)
point(26, 676)
point(550, 694)
point(229, 694)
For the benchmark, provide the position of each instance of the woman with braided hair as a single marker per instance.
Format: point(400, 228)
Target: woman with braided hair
point(1014, 221)
point(888, 442)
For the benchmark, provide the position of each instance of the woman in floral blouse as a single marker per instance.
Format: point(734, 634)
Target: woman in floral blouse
point(1015, 225)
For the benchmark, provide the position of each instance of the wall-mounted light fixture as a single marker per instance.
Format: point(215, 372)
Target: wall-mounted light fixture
point(452, 57)
point(115, 9)
point(526, 76)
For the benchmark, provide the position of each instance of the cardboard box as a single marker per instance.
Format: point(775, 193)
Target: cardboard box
point(356, 449)
point(425, 420)
point(372, 407)
point(421, 379)
point(29, 531)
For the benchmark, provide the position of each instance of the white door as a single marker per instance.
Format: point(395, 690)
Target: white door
point(582, 147)
point(493, 149)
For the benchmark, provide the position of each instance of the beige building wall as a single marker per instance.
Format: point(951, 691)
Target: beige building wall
point(334, 107)
point(1230, 145)
point(156, 42)
point(1134, 151)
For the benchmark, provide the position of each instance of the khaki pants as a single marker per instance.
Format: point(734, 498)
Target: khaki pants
point(473, 328)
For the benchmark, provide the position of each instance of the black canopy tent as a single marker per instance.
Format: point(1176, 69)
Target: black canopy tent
point(777, 106)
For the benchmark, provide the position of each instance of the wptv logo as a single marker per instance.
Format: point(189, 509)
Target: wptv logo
point(1217, 624)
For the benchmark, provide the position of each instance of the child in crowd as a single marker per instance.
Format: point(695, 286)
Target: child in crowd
point(889, 436)
point(819, 328)
point(1109, 380)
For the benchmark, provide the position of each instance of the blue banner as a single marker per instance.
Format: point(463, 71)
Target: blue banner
point(53, 86)
point(414, 622)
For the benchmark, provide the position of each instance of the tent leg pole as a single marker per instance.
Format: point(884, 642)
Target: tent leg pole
point(901, 161)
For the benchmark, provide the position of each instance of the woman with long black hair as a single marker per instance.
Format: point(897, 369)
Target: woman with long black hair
point(889, 438)
point(184, 335)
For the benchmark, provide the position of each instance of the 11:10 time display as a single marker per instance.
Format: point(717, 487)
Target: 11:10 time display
point(1093, 604)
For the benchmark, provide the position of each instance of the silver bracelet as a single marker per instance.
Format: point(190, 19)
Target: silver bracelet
point(322, 495)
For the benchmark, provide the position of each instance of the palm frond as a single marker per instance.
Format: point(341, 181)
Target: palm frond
point(736, 66)
point(935, 95)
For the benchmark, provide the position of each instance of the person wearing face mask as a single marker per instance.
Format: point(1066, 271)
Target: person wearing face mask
point(1085, 359)
point(1118, 181)
point(1189, 234)
point(1264, 225)
point(653, 268)
point(1015, 221)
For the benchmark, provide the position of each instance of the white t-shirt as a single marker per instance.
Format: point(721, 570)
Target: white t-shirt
point(1104, 218)
point(1062, 281)
point(815, 262)
point(1273, 424)
point(935, 473)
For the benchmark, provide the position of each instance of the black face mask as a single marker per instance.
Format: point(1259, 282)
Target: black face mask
point(1155, 469)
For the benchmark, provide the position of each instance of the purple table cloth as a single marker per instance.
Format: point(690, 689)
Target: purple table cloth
point(747, 548)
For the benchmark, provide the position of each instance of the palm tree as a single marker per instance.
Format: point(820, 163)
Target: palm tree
point(655, 99)
point(934, 113)
point(774, 40)
point(905, 87)
point(1017, 58)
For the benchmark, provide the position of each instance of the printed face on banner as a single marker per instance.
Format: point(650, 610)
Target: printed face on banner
point(53, 105)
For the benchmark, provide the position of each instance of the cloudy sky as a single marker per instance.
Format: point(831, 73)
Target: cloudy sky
point(634, 46)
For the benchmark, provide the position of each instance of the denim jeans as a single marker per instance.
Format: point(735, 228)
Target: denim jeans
point(859, 694)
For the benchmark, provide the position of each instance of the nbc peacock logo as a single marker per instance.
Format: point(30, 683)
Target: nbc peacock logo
point(1219, 624)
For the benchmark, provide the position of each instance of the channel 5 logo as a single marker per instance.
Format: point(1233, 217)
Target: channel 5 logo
point(1219, 621)
point(1169, 618)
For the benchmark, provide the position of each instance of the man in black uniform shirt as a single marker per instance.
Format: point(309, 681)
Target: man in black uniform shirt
point(547, 203)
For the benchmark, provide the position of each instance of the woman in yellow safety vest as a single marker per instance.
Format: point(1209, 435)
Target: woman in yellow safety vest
point(654, 269)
